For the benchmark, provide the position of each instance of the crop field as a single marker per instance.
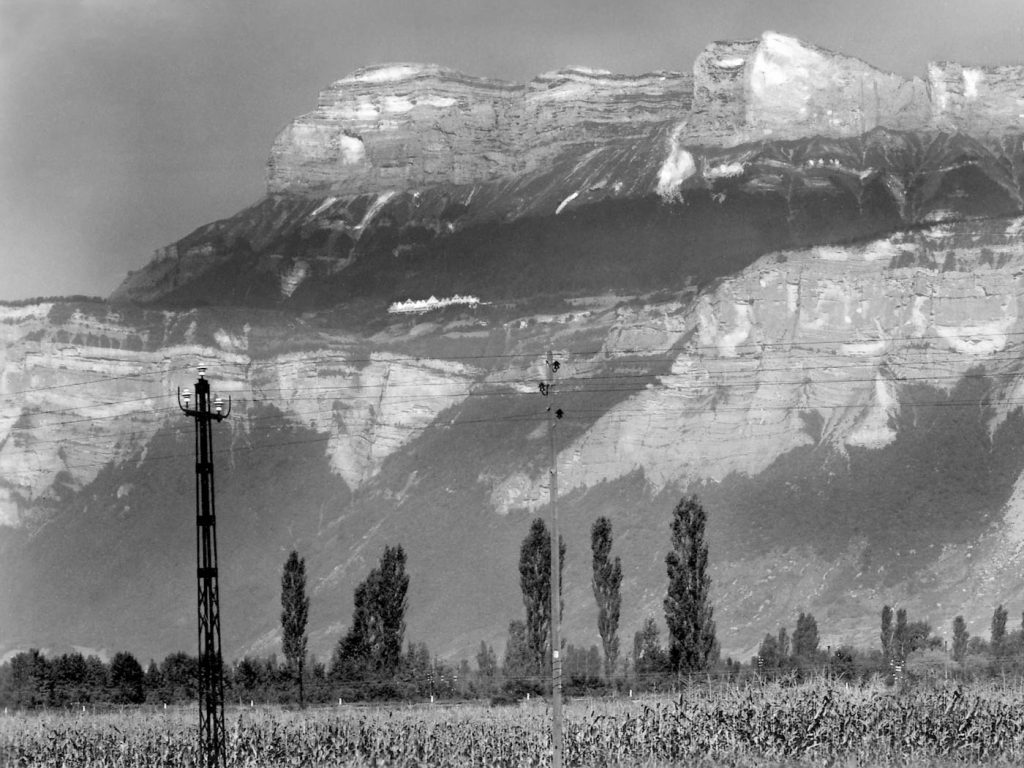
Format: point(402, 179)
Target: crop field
point(813, 724)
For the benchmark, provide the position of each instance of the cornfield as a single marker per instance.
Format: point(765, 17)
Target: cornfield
point(800, 725)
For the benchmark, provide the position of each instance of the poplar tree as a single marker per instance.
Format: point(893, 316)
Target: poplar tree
point(805, 637)
point(770, 654)
point(294, 612)
point(688, 611)
point(900, 636)
point(487, 664)
point(607, 581)
point(649, 658)
point(535, 582)
point(998, 630)
point(783, 643)
point(887, 632)
point(518, 663)
point(960, 638)
point(373, 644)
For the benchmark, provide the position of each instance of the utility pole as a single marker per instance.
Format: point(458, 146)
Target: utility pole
point(211, 678)
point(546, 388)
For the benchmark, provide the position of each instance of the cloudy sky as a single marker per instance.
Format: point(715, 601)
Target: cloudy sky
point(125, 124)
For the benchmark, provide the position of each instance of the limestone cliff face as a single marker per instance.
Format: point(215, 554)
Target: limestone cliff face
point(403, 127)
point(840, 334)
point(86, 388)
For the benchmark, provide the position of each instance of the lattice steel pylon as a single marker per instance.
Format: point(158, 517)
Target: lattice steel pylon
point(211, 677)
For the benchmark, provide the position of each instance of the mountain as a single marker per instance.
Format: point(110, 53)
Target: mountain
point(788, 282)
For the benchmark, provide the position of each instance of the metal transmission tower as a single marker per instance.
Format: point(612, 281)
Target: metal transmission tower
point(211, 679)
point(554, 414)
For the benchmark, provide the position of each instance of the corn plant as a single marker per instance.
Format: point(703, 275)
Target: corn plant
point(774, 724)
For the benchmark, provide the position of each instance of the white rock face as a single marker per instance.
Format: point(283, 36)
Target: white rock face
point(797, 335)
point(368, 408)
point(677, 168)
point(74, 397)
point(66, 402)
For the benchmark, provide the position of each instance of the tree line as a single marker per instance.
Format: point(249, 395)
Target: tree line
point(368, 661)
point(688, 613)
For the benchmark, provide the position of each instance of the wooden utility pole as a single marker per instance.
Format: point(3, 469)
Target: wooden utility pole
point(556, 576)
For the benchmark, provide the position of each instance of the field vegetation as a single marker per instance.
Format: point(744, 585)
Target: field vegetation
point(813, 723)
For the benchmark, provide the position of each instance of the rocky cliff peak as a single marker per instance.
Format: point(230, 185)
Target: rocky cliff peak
point(399, 127)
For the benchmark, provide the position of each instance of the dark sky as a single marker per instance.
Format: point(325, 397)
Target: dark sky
point(125, 124)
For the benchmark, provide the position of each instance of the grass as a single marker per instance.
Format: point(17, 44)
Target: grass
point(811, 724)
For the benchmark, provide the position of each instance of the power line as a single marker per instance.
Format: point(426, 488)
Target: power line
point(235, 449)
point(90, 382)
point(259, 393)
point(577, 415)
point(482, 390)
point(645, 354)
